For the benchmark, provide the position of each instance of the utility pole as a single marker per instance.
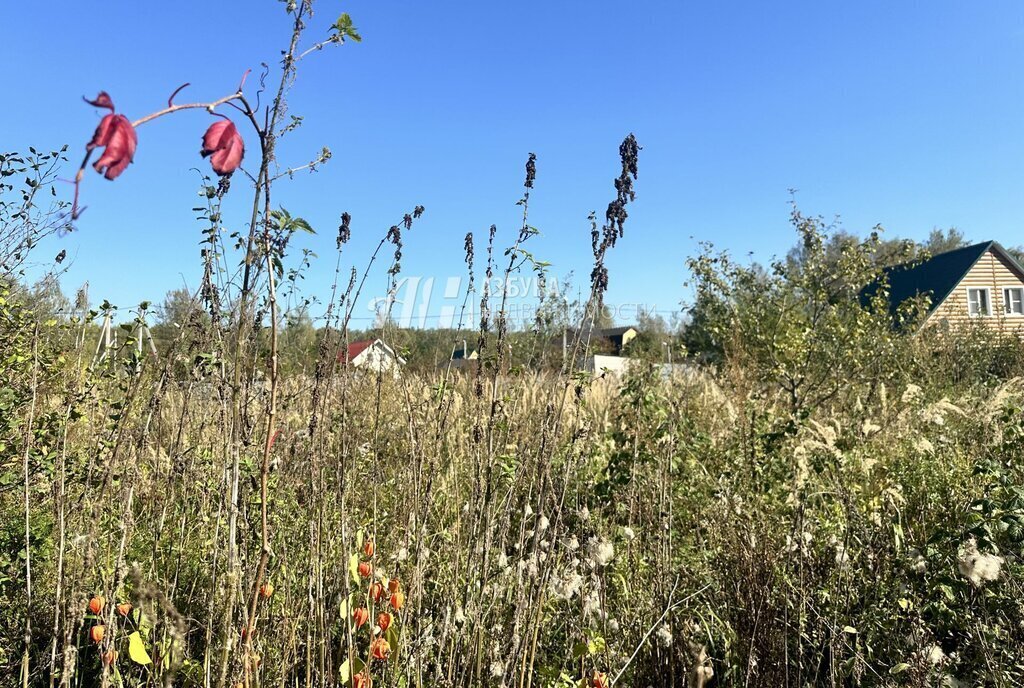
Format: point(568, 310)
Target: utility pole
point(108, 337)
point(106, 341)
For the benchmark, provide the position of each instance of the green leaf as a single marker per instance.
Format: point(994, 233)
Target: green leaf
point(899, 668)
point(344, 27)
point(136, 650)
point(850, 629)
point(391, 635)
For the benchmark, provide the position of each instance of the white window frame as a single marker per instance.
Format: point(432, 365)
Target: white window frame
point(988, 302)
point(1008, 302)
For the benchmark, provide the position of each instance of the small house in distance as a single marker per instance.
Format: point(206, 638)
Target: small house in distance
point(463, 357)
point(618, 336)
point(371, 354)
point(608, 348)
point(979, 283)
point(609, 341)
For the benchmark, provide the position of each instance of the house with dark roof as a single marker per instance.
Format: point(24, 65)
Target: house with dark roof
point(619, 337)
point(463, 358)
point(980, 283)
point(608, 340)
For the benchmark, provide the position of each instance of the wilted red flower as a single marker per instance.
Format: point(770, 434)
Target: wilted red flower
point(96, 604)
point(225, 146)
point(599, 680)
point(109, 657)
point(384, 621)
point(96, 633)
point(376, 591)
point(102, 101)
point(362, 680)
point(380, 648)
point(266, 590)
point(397, 600)
point(365, 569)
point(368, 548)
point(394, 585)
point(117, 134)
point(360, 616)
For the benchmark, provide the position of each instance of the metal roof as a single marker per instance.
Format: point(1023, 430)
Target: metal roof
point(937, 276)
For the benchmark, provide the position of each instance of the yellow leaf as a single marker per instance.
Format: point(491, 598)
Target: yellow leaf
point(343, 609)
point(346, 673)
point(136, 650)
point(353, 567)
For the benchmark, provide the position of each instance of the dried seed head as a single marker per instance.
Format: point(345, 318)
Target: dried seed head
point(531, 170)
point(468, 245)
point(344, 230)
point(615, 215)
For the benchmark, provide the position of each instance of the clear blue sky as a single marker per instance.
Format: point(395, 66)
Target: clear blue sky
point(906, 114)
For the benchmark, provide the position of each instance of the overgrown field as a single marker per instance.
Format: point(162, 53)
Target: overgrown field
point(822, 492)
point(664, 532)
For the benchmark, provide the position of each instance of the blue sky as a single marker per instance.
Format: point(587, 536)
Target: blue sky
point(907, 115)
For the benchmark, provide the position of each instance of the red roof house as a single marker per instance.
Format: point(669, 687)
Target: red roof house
point(371, 353)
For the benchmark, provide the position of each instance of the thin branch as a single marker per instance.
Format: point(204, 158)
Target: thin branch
point(311, 165)
point(170, 101)
point(187, 106)
point(320, 46)
point(668, 608)
point(241, 84)
point(29, 435)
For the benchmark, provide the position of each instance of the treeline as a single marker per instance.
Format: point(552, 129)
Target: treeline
point(690, 334)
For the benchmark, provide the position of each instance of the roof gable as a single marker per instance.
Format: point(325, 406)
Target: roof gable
point(460, 354)
point(355, 349)
point(939, 275)
point(935, 277)
point(615, 331)
point(360, 347)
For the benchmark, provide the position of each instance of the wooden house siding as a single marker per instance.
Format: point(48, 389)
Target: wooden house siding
point(991, 272)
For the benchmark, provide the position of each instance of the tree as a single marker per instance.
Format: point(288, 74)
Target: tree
point(939, 241)
point(176, 310)
point(799, 328)
point(29, 210)
point(887, 252)
point(179, 312)
point(652, 337)
point(299, 342)
point(46, 299)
